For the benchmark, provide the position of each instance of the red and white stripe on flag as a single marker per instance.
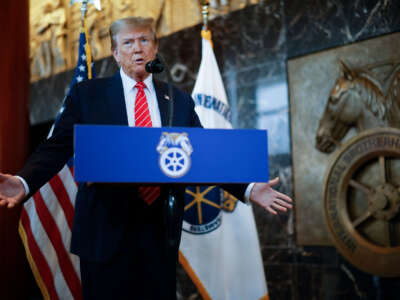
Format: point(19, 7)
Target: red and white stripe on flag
point(45, 228)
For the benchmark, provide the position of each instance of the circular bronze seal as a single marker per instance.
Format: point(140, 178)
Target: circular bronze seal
point(362, 201)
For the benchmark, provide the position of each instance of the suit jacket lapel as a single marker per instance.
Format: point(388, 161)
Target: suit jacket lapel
point(116, 101)
point(162, 99)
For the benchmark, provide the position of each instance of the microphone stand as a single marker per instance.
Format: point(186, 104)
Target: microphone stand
point(170, 207)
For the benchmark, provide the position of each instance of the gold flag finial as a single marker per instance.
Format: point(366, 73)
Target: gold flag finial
point(96, 3)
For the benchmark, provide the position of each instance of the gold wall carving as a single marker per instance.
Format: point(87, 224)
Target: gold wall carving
point(55, 27)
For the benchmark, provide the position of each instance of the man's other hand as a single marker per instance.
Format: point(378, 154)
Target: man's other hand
point(264, 195)
point(12, 190)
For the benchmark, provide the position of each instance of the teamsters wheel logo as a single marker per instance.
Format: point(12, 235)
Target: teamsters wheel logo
point(175, 150)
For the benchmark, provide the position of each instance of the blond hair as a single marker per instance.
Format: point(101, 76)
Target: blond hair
point(130, 22)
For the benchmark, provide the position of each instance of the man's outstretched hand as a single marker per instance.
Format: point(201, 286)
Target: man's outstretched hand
point(12, 191)
point(264, 195)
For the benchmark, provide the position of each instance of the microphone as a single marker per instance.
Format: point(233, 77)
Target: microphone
point(157, 66)
point(154, 66)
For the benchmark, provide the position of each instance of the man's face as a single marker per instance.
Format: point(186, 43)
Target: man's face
point(134, 48)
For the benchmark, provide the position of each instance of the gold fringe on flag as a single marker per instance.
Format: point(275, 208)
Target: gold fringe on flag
point(31, 261)
point(193, 276)
point(206, 34)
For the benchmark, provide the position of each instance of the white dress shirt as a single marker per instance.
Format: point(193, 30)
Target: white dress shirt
point(130, 92)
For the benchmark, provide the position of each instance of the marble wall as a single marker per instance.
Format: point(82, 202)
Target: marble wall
point(252, 47)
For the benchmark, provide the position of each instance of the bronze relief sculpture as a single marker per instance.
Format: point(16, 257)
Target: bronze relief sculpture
point(361, 190)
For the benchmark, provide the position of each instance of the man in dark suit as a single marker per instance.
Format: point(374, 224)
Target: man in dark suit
point(119, 230)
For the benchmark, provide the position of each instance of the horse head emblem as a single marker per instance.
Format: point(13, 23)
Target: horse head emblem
point(358, 99)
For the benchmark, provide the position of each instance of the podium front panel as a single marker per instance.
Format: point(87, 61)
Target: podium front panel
point(122, 154)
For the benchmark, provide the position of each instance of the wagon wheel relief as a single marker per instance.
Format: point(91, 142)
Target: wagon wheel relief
point(362, 201)
point(383, 202)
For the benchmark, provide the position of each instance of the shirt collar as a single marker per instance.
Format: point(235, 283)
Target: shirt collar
point(129, 83)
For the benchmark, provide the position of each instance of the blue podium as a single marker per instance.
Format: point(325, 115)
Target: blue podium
point(169, 155)
point(121, 154)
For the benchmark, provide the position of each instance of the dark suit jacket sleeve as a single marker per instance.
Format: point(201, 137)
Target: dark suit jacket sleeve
point(53, 154)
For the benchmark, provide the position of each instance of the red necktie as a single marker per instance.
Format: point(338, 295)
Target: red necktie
point(143, 119)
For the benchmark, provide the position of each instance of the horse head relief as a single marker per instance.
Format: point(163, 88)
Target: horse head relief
point(358, 99)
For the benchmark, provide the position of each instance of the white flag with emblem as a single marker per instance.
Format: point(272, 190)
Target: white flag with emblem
point(219, 248)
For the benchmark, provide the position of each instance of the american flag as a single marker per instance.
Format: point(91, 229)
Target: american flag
point(46, 220)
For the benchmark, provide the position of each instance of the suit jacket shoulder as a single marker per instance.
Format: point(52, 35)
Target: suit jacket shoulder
point(184, 114)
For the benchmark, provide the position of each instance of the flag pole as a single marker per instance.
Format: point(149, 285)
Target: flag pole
point(87, 49)
point(205, 33)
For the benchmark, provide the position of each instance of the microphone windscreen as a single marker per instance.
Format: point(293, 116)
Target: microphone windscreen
point(154, 66)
